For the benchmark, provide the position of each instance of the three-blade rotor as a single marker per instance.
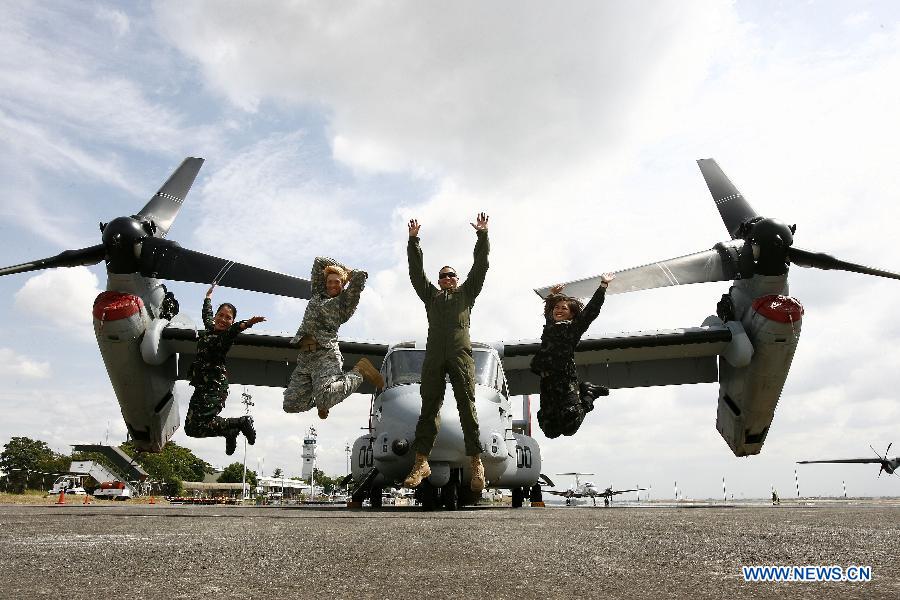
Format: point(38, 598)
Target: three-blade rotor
point(137, 244)
point(758, 246)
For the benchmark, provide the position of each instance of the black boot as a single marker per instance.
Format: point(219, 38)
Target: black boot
point(246, 427)
point(231, 441)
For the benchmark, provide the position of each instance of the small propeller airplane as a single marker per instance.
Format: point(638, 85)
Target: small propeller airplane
point(147, 344)
point(888, 465)
point(588, 489)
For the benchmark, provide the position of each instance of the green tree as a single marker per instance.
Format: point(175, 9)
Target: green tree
point(22, 457)
point(234, 472)
point(277, 473)
point(327, 483)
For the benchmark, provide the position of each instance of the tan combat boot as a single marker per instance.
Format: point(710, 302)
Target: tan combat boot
point(477, 483)
point(420, 471)
point(369, 373)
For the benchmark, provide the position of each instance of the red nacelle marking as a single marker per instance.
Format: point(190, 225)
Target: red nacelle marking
point(782, 309)
point(112, 306)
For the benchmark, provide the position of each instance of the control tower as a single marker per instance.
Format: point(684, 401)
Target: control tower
point(309, 453)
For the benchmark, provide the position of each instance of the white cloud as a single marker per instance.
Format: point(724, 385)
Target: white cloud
point(116, 19)
point(462, 87)
point(62, 299)
point(14, 366)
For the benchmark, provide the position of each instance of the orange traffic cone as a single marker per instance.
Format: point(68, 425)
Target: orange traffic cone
point(62, 497)
point(87, 498)
point(151, 499)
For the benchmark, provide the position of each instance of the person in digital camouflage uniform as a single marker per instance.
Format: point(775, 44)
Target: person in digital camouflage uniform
point(319, 379)
point(210, 379)
point(448, 351)
point(565, 401)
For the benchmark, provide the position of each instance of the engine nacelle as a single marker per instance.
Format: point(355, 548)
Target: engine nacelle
point(145, 392)
point(749, 394)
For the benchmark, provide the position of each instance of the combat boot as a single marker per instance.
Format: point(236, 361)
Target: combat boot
point(231, 441)
point(420, 471)
point(477, 483)
point(246, 427)
point(368, 372)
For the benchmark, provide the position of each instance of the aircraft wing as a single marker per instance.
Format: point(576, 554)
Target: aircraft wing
point(566, 493)
point(266, 359)
point(841, 460)
point(626, 360)
point(616, 492)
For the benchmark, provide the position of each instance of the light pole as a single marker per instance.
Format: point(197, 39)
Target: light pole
point(247, 402)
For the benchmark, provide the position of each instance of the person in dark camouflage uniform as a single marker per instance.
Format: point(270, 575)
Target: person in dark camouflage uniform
point(210, 380)
point(448, 351)
point(565, 402)
point(319, 380)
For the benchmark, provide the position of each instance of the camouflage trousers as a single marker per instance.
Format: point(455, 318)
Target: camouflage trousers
point(562, 407)
point(319, 381)
point(203, 418)
point(459, 368)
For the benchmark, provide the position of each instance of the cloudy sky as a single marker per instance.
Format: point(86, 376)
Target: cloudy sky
point(325, 127)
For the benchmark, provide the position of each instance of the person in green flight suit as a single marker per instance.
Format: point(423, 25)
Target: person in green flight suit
point(210, 379)
point(448, 351)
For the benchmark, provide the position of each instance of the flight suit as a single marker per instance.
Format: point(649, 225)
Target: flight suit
point(210, 380)
point(319, 379)
point(448, 350)
point(563, 404)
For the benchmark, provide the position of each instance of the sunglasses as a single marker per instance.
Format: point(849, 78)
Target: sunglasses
point(447, 275)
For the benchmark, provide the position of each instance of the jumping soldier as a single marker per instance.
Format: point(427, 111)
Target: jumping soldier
point(448, 351)
point(564, 401)
point(210, 379)
point(319, 379)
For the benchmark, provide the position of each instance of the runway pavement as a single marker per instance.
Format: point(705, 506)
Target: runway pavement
point(104, 551)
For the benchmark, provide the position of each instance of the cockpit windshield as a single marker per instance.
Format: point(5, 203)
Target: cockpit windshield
point(405, 366)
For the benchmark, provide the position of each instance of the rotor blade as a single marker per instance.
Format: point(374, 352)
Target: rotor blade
point(69, 258)
point(840, 460)
point(888, 449)
point(163, 207)
point(726, 261)
point(733, 207)
point(167, 260)
point(820, 260)
point(875, 452)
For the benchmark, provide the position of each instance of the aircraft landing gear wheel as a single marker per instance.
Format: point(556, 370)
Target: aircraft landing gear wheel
point(428, 495)
point(375, 500)
point(518, 496)
point(536, 494)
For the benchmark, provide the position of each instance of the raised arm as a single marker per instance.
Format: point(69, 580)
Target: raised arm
point(424, 289)
point(350, 295)
point(592, 309)
point(317, 276)
point(475, 279)
point(207, 311)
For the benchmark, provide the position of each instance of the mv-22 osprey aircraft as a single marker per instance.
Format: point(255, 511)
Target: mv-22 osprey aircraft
point(146, 344)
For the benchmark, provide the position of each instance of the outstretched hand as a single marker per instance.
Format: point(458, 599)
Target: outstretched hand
point(606, 278)
point(481, 222)
point(414, 228)
point(209, 292)
point(253, 321)
point(557, 289)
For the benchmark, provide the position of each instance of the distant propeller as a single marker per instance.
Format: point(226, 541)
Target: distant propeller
point(883, 459)
point(759, 246)
point(137, 244)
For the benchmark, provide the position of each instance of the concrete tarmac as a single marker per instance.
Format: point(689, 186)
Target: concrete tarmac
point(110, 551)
